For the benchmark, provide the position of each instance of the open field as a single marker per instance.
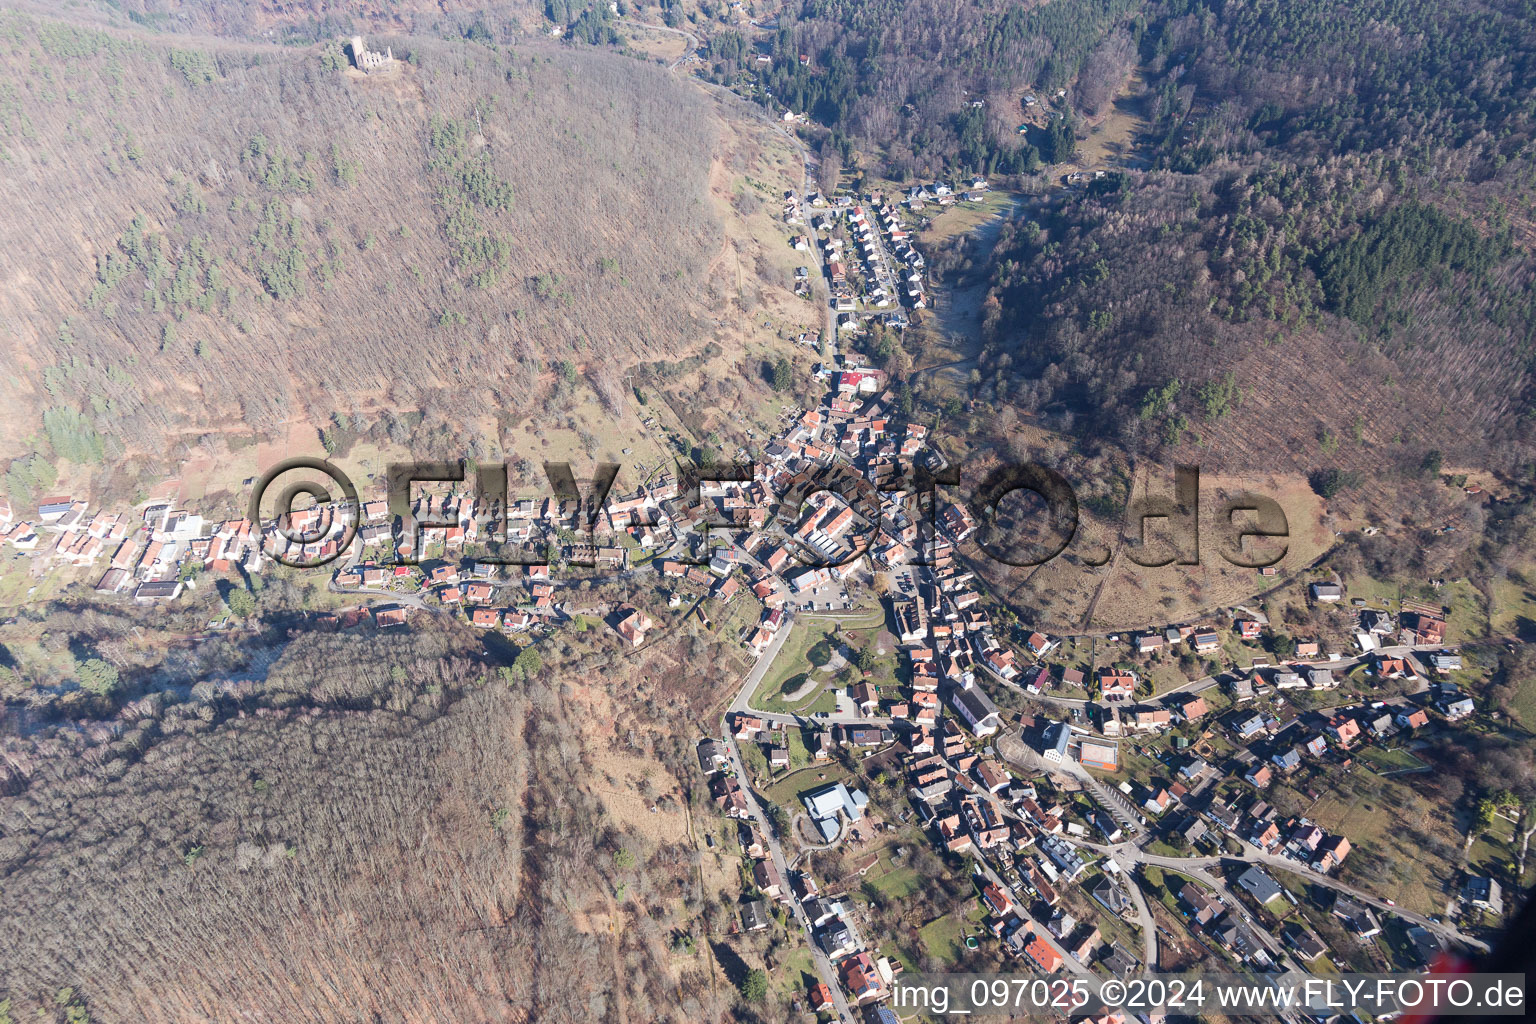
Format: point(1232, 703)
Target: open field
point(944, 937)
point(651, 44)
point(1111, 141)
point(1390, 760)
point(1514, 609)
point(1123, 595)
point(1387, 822)
point(966, 217)
point(1493, 852)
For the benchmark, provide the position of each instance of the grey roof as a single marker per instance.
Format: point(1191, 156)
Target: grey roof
point(1259, 884)
point(158, 589)
point(1110, 896)
point(1486, 891)
point(754, 916)
point(1063, 853)
point(835, 936)
point(1056, 736)
point(1306, 944)
point(976, 703)
point(1357, 915)
point(827, 802)
point(1118, 962)
point(710, 755)
point(1239, 938)
point(1426, 946)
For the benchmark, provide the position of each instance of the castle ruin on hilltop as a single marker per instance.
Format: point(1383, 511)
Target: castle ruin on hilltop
point(369, 61)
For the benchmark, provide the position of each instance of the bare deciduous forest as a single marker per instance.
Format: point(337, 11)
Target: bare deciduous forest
point(379, 828)
point(229, 239)
point(1185, 311)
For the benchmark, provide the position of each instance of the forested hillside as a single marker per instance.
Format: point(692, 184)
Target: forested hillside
point(937, 86)
point(222, 239)
point(1330, 263)
point(1315, 248)
point(321, 19)
point(377, 827)
point(1231, 313)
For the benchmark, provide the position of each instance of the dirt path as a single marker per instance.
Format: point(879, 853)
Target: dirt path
point(698, 871)
point(689, 38)
point(621, 1005)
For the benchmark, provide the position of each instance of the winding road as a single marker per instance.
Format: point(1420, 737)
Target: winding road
point(691, 39)
point(1012, 748)
point(824, 966)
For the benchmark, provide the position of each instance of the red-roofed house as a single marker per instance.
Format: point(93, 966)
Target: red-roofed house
point(860, 978)
point(634, 626)
point(1116, 685)
point(1044, 957)
point(997, 900)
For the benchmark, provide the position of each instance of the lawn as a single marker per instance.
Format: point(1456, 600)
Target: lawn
point(944, 937)
point(786, 792)
point(858, 618)
point(18, 587)
point(1238, 651)
point(963, 218)
point(1394, 936)
point(1390, 760)
point(1133, 766)
point(1525, 703)
point(799, 753)
point(1165, 673)
point(799, 756)
point(1494, 850)
point(731, 620)
point(793, 661)
point(822, 698)
point(825, 700)
point(1377, 593)
point(1165, 884)
point(1362, 818)
point(796, 974)
point(1514, 610)
point(1489, 856)
point(1468, 618)
point(1384, 826)
point(894, 881)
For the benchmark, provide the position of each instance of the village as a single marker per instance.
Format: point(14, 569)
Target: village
point(1110, 820)
point(873, 271)
point(1029, 800)
point(155, 549)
